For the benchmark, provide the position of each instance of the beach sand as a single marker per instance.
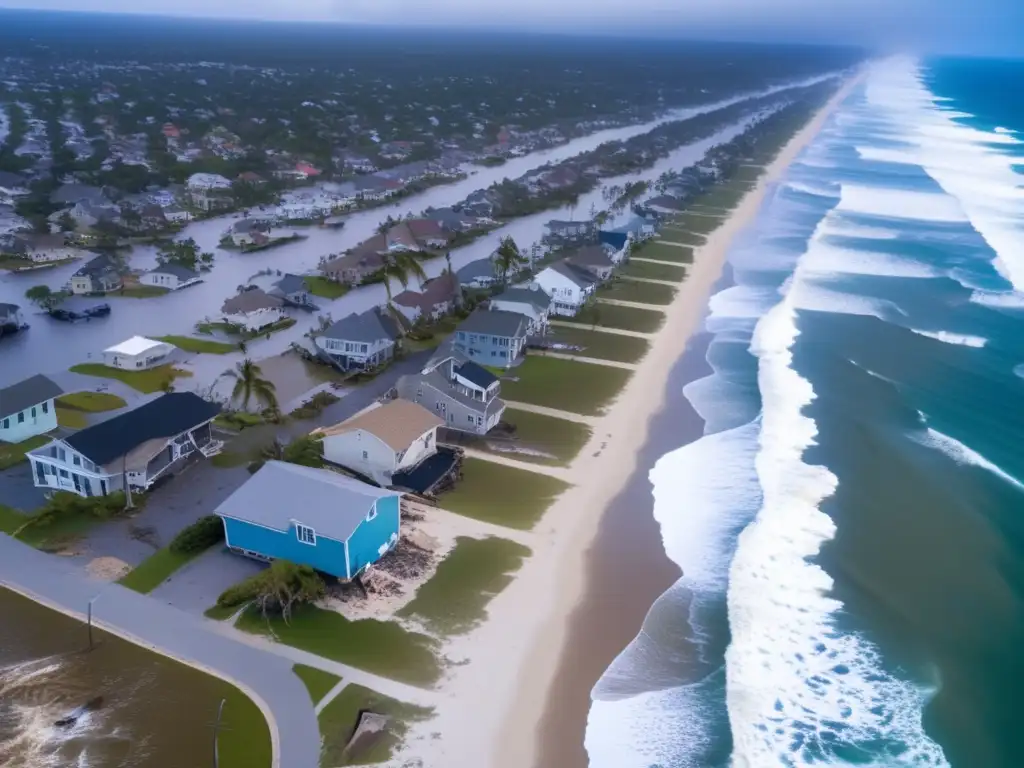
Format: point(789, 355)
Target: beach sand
point(521, 693)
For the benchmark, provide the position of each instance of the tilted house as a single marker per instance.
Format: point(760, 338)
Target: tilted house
point(383, 441)
point(253, 310)
point(27, 409)
point(315, 517)
point(171, 276)
point(99, 275)
point(293, 289)
point(139, 446)
point(436, 298)
point(492, 337)
point(361, 341)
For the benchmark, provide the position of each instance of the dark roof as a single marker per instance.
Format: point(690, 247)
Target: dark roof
point(534, 296)
point(250, 301)
point(167, 416)
point(424, 476)
point(179, 271)
point(76, 193)
point(291, 284)
point(476, 374)
point(12, 180)
point(475, 269)
point(32, 391)
point(371, 325)
point(99, 265)
point(581, 277)
point(495, 322)
point(591, 256)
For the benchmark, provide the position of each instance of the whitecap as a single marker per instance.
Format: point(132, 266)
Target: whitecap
point(962, 454)
point(885, 202)
point(999, 299)
point(961, 339)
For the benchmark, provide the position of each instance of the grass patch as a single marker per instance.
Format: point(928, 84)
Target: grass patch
point(560, 439)
point(153, 380)
point(674, 234)
point(665, 252)
point(155, 570)
point(14, 453)
point(567, 385)
point(324, 288)
point(10, 519)
point(142, 291)
point(604, 346)
point(201, 346)
point(317, 682)
point(700, 223)
point(245, 737)
point(221, 612)
point(641, 293)
point(338, 722)
point(455, 600)
point(494, 493)
point(612, 316)
point(637, 268)
point(71, 418)
point(238, 420)
point(91, 402)
point(238, 332)
point(430, 336)
point(381, 647)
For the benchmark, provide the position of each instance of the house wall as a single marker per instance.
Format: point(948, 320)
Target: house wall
point(481, 348)
point(373, 538)
point(566, 296)
point(81, 284)
point(36, 420)
point(423, 446)
point(355, 355)
point(326, 555)
point(58, 466)
point(456, 414)
point(362, 452)
point(160, 280)
point(148, 359)
point(253, 321)
point(52, 254)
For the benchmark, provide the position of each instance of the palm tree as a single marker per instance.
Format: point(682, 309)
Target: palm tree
point(305, 451)
point(401, 265)
point(249, 384)
point(448, 261)
point(508, 258)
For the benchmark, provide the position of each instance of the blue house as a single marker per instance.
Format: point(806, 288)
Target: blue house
point(493, 337)
point(313, 517)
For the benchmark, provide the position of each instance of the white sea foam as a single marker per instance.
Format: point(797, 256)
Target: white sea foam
point(999, 299)
point(824, 257)
point(899, 204)
point(961, 454)
point(961, 339)
point(848, 229)
point(810, 189)
point(815, 297)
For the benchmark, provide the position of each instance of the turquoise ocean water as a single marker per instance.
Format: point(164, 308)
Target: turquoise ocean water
point(851, 526)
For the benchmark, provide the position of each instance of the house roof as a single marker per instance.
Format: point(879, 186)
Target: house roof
point(94, 267)
point(282, 494)
point(401, 235)
point(250, 301)
point(581, 277)
point(12, 180)
point(476, 269)
point(136, 345)
point(290, 284)
point(69, 194)
point(179, 271)
point(495, 322)
point(532, 296)
point(31, 391)
point(423, 229)
point(166, 416)
point(397, 423)
point(369, 326)
point(559, 224)
point(665, 201)
point(363, 258)
point(476, 373)
point(590, 256)
point(438, 290)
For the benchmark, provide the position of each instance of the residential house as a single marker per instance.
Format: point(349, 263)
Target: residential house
point(171, 276)
point(464, 394)
point(87, 213)
point(478, 274)
point(568, 285)
point(70, 194)
point(253, 310)
point(595, 259)
point(41, 249)
point(436, 298)
point(374, 188)
point(176, 214)
point(451, 220)
point(138, 354)
point(492, 337)
point(400, 238)
point(293, 289)
point(248, 232)
point(307, 171)
point(99, 275)
point(27, 409)
point(533, 303)
point(361, 342)
point(315, 517)
point(209, 191)
point(663, 205)
point(137, 447)
point(356, 266)
point(556, 231)
point(356, 162)
point(10, 318)
point(378, 443)
point(428, 233)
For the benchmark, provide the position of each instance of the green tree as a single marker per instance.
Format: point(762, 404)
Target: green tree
point(508, 259)
point(285, 585)
point(250, 384)
point(42, 296)
point(67, 223)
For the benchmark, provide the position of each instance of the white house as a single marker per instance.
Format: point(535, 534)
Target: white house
point(138, 354)
point(532, 302)
point(253, 310)
point(171, 276)
point(395, 437)
point(568, 286)
point(176, 214)
point(360, 342)
point(209, 191)
point(27, 409)
point(138, 447)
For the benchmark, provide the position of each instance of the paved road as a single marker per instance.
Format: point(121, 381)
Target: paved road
point(267, 677)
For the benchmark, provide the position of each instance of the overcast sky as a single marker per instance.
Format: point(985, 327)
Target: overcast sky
point(978, 26)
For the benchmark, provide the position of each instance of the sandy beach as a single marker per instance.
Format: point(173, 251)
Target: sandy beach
point(524, 680)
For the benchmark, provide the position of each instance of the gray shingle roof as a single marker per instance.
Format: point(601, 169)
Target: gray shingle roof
point(533, 296)
point(578, 275)
point(182, 273)
point(290, 284)
point(281, 494)
point(368, 326)
point(475, 269)
point(495, 322)
point(96, 267)
point(32, 391)
point(250, 301)
point(591, 256)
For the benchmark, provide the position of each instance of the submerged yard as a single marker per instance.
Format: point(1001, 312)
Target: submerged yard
point(567, 385)
point(494, 493)
point(153, 380)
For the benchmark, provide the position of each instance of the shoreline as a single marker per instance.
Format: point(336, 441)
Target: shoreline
point(545, 614)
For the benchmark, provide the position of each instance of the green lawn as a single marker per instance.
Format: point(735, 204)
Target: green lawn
point(155, 570)
point(203, 346)
point(91, 402)
point(455, 600)
point(700, 223)
point(339, 719)
point(229, 459)
point(641, 293)
point(317, 682)
point(71, 418)
point(324, 288)
point(381, 647)
point(495, 493)
point(141, 291)
point(664, 252)
point(153, 380)
point(14, 453)
point(221, 612)
point(10, 519)
point(599, 344)
point(559, 439)
point(567, 385)
point(638, 268)
point(675, 234)
point(613, 316)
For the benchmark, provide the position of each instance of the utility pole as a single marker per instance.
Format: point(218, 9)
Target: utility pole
point(89, 623)
point(124, 479)
point(216, 734)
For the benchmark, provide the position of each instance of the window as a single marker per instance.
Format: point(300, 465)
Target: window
point(470, 417)
point(305, 534)
point(366, 455)
point(372, 513)
point(21, 417)
point(62, 454)
point(46, 407)
point(76, 461)
point(33, 411)
point(7, 423)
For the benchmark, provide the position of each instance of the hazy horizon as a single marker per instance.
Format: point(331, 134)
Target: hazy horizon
point(981, 27)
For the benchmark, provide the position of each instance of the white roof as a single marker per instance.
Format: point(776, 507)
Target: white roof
point(136, 345)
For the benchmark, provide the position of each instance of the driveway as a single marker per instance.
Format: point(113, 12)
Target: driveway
point(197, 586)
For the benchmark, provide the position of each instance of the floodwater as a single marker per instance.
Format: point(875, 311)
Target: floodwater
point(155, 713)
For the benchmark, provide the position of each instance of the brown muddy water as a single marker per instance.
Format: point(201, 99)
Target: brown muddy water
point(155, 713)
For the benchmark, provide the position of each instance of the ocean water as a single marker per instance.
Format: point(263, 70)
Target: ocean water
point(851, 525)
